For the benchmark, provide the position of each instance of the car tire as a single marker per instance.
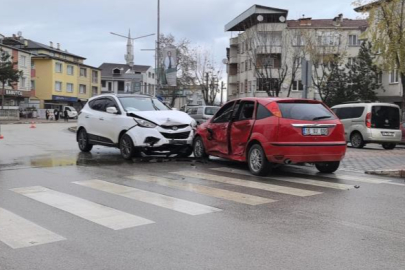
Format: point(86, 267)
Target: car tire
point(389, 146)
point(127, 147)
point(83, 141)
point(257, 161)
point(199, 148)
point(357, 140)
point(328, 167)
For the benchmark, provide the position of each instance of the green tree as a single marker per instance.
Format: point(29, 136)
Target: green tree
point(387, 33)
point(336, 89)
point(8, 74)
point(363, 74)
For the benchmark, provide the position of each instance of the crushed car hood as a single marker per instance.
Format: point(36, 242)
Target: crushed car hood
point(164, 118)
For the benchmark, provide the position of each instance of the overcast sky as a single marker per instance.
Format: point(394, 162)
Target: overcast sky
point(83, 26)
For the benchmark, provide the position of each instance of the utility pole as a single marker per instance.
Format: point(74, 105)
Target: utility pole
point(222, 91)
point(157, 54)
point(207, 87)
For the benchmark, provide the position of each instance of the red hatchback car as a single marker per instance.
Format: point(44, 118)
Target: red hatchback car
point(268, 131)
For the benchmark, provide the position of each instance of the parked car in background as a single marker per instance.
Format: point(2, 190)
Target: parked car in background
point(135, 124)
point(403, 132)
point(268, 131)
point(72, 113)
point(370, 123)
point(202, 113)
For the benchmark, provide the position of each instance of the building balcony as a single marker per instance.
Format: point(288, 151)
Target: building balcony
point(234, 41)
point(233, 79)
point(233, 60)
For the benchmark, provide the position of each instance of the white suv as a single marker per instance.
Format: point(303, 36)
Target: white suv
point(135, 124)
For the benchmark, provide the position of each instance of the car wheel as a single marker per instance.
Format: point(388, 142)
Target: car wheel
point(257, 161)
point(186, 152)
point(83, 141)
point(389, 146)
point(199, 148)
point(357, 140)
point(328, 167)
point(127, 147)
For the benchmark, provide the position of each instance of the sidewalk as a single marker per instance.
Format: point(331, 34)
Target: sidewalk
point(36, 121)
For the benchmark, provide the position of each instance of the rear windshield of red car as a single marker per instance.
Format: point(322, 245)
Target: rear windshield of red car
point(305, 111)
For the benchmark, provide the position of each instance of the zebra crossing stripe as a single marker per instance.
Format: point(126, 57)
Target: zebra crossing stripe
point(249, 184)
point(164, 201)
point(17, 232)
point(204, 190)
point(296, 180)
point(97, 213)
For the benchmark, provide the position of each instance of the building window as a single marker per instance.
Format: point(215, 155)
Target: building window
point(242, 68)
point(297, 85)
point(32, 64)
point(250, 86)
point(329, 39)
point(379, 78)
point(246, 86)
point(23, 61)
point(70, 70)
point(241, 87)
point(237, 87)
point(250, 64)
point(23, 82)
point(110, 86)
point(127, 87)
point(32, 85)
point(82, 89)
point(354, 40)
point(394, 76)
point(58, 67)
point(58, 86)
point(149, 75)
point(103, 83)
point(298, 41)
point(153, 75)
point(69, 87)
point(246, 65)
point(351, 61)
point(94, 76)
point(237, 68)
point(83, 72)
point(94, 91)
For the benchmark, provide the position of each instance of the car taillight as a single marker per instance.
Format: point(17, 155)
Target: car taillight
point(368, 120)
point(274, 109)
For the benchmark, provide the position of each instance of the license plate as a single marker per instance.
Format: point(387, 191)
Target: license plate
point(315, 131)
point(388, 134)
point(177, 142)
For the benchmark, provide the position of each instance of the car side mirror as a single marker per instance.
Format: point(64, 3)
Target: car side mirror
point(112, 110)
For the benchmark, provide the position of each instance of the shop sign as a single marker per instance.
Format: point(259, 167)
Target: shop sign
point(62, 98)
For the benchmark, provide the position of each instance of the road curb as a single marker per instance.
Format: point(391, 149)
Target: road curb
point(390, 173)
point(72, 129)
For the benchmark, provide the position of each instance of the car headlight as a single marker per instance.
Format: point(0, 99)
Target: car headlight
point(193, 124)
point(144, 123)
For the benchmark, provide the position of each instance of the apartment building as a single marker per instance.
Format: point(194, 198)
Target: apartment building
point(266, 50)
point(17, 95)
point(58, 76)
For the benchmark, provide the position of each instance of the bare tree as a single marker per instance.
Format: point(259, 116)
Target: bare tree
point(263, 45)
point(295, 37)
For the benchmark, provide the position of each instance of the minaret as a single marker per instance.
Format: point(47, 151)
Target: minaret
point(129, 57)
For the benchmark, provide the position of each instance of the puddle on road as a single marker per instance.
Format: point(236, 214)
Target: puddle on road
point(86, 159)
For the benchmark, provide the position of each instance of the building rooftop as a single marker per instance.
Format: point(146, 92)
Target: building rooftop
point(106, 68)
point(327, 23)
point(251, 17)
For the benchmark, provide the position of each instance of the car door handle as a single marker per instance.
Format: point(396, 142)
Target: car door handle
point(101, 118)
point(87, 116)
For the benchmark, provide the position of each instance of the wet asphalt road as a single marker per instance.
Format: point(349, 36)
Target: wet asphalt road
point(295, 219)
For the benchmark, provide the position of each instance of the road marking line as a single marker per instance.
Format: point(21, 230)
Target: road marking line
point(296, 180)
point(17, 232)
point(396, 184)
point(340, 177)
point(164, 201)
point(249, 184)
point(204, 190)
point(97, 213)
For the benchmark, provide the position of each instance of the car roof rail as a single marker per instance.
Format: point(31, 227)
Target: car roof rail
point(357, 101)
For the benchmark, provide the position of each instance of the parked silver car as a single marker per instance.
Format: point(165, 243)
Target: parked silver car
point(371, 123)
point(202, 113)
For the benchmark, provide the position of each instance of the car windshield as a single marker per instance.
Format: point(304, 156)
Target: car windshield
point(305, 111)
point(142, 104)
point(211, 110)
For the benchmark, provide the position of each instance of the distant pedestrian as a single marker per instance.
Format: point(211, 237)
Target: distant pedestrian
point(47, 114)
point(56, 113)
point(66, 115)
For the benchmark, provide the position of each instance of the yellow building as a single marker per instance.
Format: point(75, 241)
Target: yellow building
point(60, 77)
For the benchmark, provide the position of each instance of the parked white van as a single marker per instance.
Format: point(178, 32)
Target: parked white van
point(370, 123)
point(72, 113)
